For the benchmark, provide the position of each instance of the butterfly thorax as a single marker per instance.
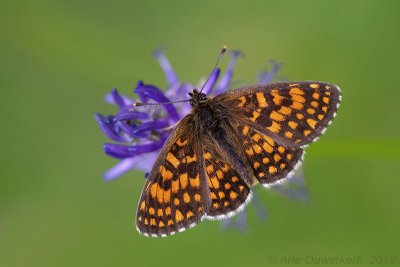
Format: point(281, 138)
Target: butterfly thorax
point(205, 115)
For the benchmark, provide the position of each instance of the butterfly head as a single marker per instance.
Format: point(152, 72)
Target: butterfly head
point(197, 98)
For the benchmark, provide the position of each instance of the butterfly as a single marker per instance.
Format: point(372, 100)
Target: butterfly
point(228, 143)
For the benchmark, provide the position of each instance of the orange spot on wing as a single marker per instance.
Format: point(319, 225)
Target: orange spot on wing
point(189, 214)
point(255, 116)
point(175, 186)
point(276, 116)
point(152, 211)
point(165, 174)
point(233, 195)
point(142, 205)
point(265, 160)
point(160, 194)
point(307, 132)
point(262, 102)
point(207, 155)
point(168, 211)
point(296, 91)
point(314, 86)
point(298, 98)
point(242, 101)
point(256, 137)
point(197, 197)
point(257, 148)
point(172, 159)
point(315, 95)
point(272, 169)
point(312, 123)
point(186, 197)
point(195, 182)
point(277, 98)
point(214, 182)
point(267, 147)
point(178, 216)
point(310, 111)
point(285, 110)
point(153, 190)
point(183, 179)
point(297, 105)
point(181, 143)
point(167, 196)
point(191, 159)
point(245, 130)
point(176, 202)
point(275, 127)
point(292, 124)
point(160, 212)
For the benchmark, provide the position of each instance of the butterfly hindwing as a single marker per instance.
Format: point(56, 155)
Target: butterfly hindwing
point(175, 195)
point(269, 161)
point(292, 113)
point(229, 193)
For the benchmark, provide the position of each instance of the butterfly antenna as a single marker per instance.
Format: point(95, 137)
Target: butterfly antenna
point(138, 104)
point(216, 64)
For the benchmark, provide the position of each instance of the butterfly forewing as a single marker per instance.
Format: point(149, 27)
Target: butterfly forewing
point(175, 195)
point(292, 113)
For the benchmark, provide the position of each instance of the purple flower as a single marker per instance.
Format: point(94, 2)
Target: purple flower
point(138, 136)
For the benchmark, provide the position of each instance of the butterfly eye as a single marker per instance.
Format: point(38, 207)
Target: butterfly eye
point(202, 96)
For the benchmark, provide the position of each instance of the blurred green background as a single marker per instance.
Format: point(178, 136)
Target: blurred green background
point(59, 59)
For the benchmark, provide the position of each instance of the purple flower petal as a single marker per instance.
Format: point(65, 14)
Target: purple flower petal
point(131, 115)
point(122, 151)
point(151, 126)
point(241, 221)
point(211, 82)
point(143, 163)
point(118, 99)
point(170, 75)
point(108, 129)
point(129, 130)
point(226, 78)
point(267, 77)
point(146, 92)
point(261, 211)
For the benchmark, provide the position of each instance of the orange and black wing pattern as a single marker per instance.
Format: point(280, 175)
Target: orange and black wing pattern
point(229, 193)
point(291, 113)
point(276, 121)
point(175, 196)
point(269, 160)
